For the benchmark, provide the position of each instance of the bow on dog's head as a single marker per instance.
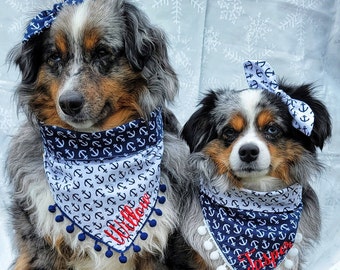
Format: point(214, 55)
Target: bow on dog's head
point(202, 126)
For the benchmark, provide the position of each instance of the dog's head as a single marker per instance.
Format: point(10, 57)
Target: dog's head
point(248, 136)
point(100, 64)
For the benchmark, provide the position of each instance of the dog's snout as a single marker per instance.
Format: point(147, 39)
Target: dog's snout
point(71, 103)
point(249, 152)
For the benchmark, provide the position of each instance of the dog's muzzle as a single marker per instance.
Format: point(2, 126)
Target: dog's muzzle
point(71, 103)
point(249, 152)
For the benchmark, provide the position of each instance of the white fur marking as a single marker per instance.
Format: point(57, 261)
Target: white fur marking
point(249, 101)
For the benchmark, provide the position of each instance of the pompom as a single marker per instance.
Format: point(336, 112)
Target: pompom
point(162, 188)
point(143, 235)
point(298, 238)
point(109, 253)
point(52, 208)
point(293, 252)
point(158, 212)
point(136, 248)
point(161, 199)
point(97, 247)
point(152, 222)
point(122, 258)
point(59, 218)
point(221, 267)
point(214, 255)
point(70, 228)
point(289, 264)
point(202, 230)
point(208, 245)
point(81, 236)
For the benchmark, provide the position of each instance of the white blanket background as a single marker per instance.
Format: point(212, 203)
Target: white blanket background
point(209, 40)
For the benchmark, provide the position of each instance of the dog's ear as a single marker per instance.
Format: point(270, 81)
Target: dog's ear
point(146, 51)
point(28, 57)
point(322, 121)
point(200, 128)
point(139, 37)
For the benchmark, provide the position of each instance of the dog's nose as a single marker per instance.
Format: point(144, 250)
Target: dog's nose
point(71, 103)
point(249, 152)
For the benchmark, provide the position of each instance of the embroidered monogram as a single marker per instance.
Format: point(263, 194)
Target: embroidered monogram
point(260, 74)
point(106, 183)
point(253, 230)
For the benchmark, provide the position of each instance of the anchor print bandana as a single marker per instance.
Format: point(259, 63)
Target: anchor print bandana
point(45, 19)
point(260, 74)
point(106, 183)
point(253, 230)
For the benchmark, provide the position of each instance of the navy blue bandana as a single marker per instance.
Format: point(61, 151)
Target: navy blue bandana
point(253, 230)
point(45, 19)
point(106, 183)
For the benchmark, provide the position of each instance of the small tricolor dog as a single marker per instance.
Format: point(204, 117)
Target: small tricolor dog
point(95, 166)
point(250, 204)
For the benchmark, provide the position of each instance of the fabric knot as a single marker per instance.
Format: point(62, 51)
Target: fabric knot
point(260, 75)
point(45, 19)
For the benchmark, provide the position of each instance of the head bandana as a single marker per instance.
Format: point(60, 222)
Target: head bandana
point(45, 18)
point(252, 230)
point(106, 183)
point(259, 74)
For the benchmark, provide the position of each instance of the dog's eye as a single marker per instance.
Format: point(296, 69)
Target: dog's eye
point(229, 135)
point(272, 131)
point(102, 53)
point(103, 58)
point(54, 59)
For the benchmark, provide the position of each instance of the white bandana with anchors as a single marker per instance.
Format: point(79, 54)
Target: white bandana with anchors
point(106, 183)
point(253, 230)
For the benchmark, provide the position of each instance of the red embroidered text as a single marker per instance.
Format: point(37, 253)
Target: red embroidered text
point(120, 230)
point(269, 258)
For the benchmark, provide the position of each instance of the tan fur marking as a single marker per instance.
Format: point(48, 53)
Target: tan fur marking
point(91, 38)
point(264, 118)
point(238, 122)
point(124, 104)
point(44, 104)
point(22, 262)
point(61, 43)
point(200, 264)
point(284, 156)
point(219, 154)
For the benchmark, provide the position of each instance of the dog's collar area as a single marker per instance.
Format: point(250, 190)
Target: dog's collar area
point(260, 75)
point(250, 228)
point(45, 18)
point(123, 140)
point(107, 184)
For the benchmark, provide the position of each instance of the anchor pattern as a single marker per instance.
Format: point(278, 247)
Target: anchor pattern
point(106, 183)
point(253, 230)
point(45, 19)
point(260, 75)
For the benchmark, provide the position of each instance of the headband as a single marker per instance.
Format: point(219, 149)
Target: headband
point(260, 75)
point(45, 18)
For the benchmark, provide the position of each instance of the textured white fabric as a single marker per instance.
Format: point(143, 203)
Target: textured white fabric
point(209, 40)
